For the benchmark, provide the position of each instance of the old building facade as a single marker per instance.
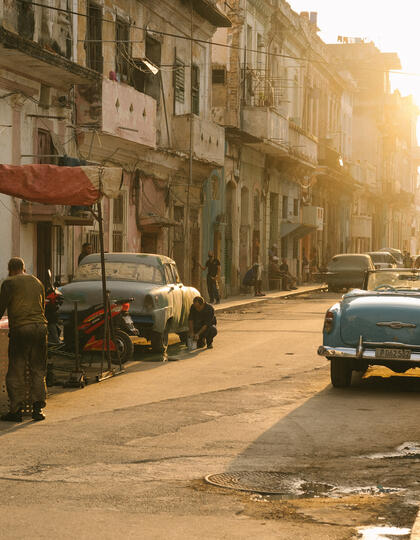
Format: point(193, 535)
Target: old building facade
point(237, 129)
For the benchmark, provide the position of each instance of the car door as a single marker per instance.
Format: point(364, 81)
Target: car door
point(174, 297)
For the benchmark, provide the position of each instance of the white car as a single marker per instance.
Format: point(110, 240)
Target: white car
point(161, 302)
point(382, 260)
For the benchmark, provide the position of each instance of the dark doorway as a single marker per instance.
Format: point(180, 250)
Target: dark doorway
point(149, 242)
point(43, 251)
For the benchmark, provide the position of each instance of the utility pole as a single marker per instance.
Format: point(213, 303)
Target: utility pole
point(187, 233)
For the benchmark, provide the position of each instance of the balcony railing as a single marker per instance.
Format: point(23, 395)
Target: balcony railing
point(208, 138)
point(262, 89)
point(361, 226)
point(118, 110)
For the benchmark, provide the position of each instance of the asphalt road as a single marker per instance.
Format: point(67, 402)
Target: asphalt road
point(127, 458)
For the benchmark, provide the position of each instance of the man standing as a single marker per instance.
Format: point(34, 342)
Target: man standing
point(202, 322)
point(23, 296)
point(86, 250)
point(213, 272)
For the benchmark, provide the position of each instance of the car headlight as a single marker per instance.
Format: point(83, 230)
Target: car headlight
point(329, 322)
point(148, 303)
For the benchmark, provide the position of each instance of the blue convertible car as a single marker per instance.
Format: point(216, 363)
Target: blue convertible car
point(376, 325)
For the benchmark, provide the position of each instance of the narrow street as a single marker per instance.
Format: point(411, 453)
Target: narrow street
point(127, 458)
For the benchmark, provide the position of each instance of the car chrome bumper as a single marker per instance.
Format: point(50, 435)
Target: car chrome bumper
point(365, 354)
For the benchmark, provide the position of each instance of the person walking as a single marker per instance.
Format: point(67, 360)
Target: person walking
point(202, 322)
point(213, 271)
point(23, 296)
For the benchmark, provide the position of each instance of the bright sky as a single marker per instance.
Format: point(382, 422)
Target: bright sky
point(394, 26)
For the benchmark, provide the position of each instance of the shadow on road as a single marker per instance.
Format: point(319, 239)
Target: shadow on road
point(373, 415)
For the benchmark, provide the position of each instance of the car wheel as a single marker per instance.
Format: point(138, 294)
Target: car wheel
point(159, 341)
point(125, 345)
point(341, 372)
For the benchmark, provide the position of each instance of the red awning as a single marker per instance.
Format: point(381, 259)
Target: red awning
point(51, 184)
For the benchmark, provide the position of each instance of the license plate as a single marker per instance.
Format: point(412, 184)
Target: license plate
point(393, 354)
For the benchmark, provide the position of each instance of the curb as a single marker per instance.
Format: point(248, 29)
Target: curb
point(249, 302)
point(415, 532)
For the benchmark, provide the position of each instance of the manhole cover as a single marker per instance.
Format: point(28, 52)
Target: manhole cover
point(256, 481)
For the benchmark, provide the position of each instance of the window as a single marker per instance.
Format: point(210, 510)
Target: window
point(168, 274)
point(118, 220)
point(175, 274)
point(295, 207)
point(123, 49)
point(143, 79)
point(179, 81)
point(118, 210)
point(195, 90)
point(285, 207)
point(117, 241)
point(218, 76)
point(46, 149)
point(94, 58)
point(93, 239)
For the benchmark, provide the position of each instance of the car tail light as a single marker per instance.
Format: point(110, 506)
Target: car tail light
point(329, 322)
point(148, 303)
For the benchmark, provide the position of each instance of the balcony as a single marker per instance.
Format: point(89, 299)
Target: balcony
point(361, 226)
point(269, 126)
point(313, 216)
point(117, 110)
point(33, 61)
point(208, 141)
point(302, 144)
point(31, 212)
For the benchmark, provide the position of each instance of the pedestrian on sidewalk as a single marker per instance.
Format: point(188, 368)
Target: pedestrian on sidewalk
point(289, 281)
point(23, 296)
point(253, 277)
point(213, 272)
point(202, 322)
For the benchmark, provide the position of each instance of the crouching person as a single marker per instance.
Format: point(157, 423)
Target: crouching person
point(202, 322)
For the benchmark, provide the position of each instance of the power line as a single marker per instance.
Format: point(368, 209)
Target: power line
point(206, 42)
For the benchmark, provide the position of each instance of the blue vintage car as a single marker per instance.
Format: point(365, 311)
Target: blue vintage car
point(376, 325)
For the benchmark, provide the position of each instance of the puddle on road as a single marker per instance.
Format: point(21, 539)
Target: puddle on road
point(407, 450)
point(383, 533)
point(282, 486)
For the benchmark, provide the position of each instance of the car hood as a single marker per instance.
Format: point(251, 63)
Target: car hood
point(362, 310)
point(89, 293)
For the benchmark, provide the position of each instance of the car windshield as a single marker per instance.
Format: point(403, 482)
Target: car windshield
point(394, 280)
point(380, 257)
point(348, 263)
point(120, 271)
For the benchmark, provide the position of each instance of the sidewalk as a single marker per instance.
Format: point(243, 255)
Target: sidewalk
point(234, 302)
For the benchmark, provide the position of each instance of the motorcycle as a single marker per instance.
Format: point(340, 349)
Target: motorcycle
point(53, 301)
point(91, 326)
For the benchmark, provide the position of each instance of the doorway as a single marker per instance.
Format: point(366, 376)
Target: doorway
point(43, 251)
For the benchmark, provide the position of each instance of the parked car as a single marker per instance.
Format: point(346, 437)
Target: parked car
point(382, 259)
point(397, 254)
point(416, 261)
point(378, 325)
point(347, 270)
point(161, 302)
